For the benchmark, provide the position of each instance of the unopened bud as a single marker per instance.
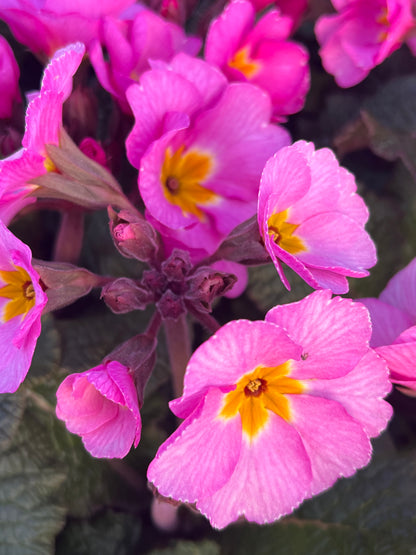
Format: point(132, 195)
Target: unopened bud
point(205, 285)
point(170, 305)
point(133, 236)
point(64, 282)
point(177, 265)
point(124, 295)
point(91, 148)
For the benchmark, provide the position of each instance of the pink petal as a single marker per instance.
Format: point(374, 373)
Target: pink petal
point(268, 481)
point(360, 392)
point(335, 443)
point(334, 333)
point(388, 321)
point(236, 349)
point(201, 457)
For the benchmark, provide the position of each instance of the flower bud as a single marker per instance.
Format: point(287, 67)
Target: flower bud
point(124, 295)
point(177, 265)
point(205, 285)
point(64, 282)
point(133, 236)
point(170, 305)
point(91, 148)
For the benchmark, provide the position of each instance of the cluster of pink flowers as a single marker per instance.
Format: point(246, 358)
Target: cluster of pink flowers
point(274, 411)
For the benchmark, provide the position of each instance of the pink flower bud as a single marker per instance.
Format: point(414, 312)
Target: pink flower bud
point(124, 295)
point(101, 406)
point(133, 236)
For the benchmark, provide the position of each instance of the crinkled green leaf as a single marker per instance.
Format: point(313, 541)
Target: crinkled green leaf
point(205, 547)
point(266, 289)
point(291, 537)
point(30, 512)
point(379, 499)
point(89, 337)
point(11, 412)
point(48, 349)
point(110, 533)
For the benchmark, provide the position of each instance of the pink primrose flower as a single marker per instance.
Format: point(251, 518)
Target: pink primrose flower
point(43, 124)
point(361, 35)
point(311, 218)
point(101, 406)
point(260, 54)
point(200, 145)
point(46, 25)
point(21, 303)
point(130, 44)
point(275, 411)
point(393, 316)
point(9, 79)
point(292, 8)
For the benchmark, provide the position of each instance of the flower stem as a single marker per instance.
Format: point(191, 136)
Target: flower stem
point(179, 347)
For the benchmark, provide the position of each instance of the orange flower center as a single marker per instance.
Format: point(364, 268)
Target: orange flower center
point(282, 231)
point(259, 393)
point(19, 290)
point(241, 61)
point(182, 177)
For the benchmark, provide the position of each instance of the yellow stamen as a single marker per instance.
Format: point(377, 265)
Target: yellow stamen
point(20, 292)
point(258, 393)
point(182, 177)
point(241, 61)
point(282, 231)
point(49, 165)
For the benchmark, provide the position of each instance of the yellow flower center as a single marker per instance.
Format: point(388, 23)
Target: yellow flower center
point(241, 61)
point(49, 165)
point(182, 176)
point(20, 292)
point(257, 394)
point(282, 231)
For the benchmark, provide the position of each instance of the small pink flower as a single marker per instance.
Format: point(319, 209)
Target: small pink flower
point(131, 45)
point(393, 316)
point(101, 406)
point(260, 54)
point(361, 36)
point(43, 124)
point(311, 218)
point(275, 412)
point(9, 79)
point(200, 145)
point(46, 25)
point(21, 303)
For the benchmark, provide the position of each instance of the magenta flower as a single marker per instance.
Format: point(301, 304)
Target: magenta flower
point(291, 410)
point(21, 303)
point(393, 316)
point(200, 145)
point(260, 54)
point(43, 124)
point(101, 406)
point(46, 25)
point(311, 218)
point(361, 36)
point(9, 79)
point(130, 44)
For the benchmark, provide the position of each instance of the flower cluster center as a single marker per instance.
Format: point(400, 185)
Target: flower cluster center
point(182, 178)
point(19, 290)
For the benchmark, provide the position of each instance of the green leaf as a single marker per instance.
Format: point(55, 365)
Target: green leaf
point(107, 534)
point(48, 349)
point(11, 412)
point(290, 537)
point(205, 547)
point(89, 337)
point(266, 289)
point(30, 516)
